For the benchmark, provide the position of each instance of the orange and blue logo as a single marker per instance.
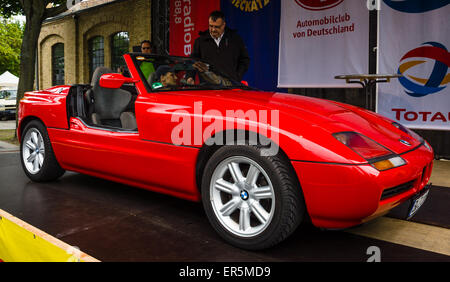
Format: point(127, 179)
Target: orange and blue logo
point(430, 52)
point(416, 6)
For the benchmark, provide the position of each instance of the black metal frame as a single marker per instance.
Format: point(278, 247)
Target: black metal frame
point(160, 26)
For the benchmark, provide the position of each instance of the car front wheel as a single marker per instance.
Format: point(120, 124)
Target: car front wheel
point(252, 201)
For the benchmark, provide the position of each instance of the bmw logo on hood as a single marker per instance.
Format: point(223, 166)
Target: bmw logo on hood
point(405, 142)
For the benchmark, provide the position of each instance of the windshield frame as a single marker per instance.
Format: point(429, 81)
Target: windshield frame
point(168, 60)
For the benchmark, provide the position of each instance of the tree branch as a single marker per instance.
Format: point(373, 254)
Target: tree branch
point(51, 12)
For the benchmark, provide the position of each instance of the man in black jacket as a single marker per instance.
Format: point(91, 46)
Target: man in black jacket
point(222, 47)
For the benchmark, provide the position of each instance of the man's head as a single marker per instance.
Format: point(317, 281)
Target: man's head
point(216, 24)
point(146, 47)
point(166, 75)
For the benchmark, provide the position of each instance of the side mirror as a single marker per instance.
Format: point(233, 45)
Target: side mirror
point(115, 80)
point(244, 82)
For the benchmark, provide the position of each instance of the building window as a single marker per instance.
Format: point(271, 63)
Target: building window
point(58, 64)
point(96, 54)
point(120, 44)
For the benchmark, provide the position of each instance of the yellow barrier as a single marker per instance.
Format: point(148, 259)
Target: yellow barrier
point(21, 242)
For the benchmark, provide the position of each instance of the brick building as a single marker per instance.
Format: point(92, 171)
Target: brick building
point(90, 34)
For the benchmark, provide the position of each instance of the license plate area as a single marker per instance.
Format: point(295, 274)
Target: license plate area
point(418, 201)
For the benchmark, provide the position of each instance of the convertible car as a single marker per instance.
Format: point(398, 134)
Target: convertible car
point(260, 162)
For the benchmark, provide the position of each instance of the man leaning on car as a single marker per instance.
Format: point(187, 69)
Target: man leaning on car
point(222, 47)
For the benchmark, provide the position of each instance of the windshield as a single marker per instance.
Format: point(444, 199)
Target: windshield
point(8, 94)
point(165, 73)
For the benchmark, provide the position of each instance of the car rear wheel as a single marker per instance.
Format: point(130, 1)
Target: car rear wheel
point(38, 159)
point(253, 202)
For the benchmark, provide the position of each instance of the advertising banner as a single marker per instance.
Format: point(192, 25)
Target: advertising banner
point(21, 242)
point(414, 42)
point(322, 39)
point(258, 23)
point(187, 18)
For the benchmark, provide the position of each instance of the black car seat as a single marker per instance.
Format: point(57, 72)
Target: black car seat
point(110, 104)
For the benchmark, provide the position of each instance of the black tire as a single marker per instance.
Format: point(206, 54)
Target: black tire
point(289, 207)
point(50, 169)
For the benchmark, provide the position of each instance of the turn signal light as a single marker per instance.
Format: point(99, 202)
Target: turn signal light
point(389, 163)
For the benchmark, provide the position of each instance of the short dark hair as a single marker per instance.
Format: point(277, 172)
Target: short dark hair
point(163, 70)
point(147, 41)
point(217, 15)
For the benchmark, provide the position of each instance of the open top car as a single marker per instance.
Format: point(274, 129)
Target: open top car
point(260, 162)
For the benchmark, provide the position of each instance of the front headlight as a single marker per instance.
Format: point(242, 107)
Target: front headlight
point(376, 155)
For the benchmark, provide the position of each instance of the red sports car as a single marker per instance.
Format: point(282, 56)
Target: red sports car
point(261, 162)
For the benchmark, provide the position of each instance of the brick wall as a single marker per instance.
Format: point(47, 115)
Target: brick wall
point(132, 16)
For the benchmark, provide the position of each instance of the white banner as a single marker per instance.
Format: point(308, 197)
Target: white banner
point(322, 39)
point(414, 39)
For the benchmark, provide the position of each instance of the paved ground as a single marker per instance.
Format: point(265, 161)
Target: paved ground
point(8, 124)
point(115, 222)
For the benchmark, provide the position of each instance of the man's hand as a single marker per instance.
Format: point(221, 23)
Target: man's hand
point(200, 66)
point(190, 81)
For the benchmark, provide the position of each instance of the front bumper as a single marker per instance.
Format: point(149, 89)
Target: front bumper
point(341, 196)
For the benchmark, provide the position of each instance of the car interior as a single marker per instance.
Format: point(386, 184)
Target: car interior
point(113, 108)
point(107, 108)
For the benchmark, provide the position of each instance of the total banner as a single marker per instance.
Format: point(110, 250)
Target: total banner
point(187, 19)
point(414, 42)
point(322, 39)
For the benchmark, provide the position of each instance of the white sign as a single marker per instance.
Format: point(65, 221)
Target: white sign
point(322, 39)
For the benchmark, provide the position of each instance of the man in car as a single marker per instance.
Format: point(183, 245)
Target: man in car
point(166, 76)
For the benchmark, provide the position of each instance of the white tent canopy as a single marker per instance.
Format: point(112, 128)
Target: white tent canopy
point(8, 81)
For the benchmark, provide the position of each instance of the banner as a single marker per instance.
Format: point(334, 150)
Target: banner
point(414, 42)
point(258, 23)
point(187, 18)
point(21, 242)
point(322, 39)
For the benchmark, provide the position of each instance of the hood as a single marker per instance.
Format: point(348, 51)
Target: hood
point(337, 117)
point(328, 115)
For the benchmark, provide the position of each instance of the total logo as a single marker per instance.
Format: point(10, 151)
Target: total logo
point(416, 6)
point(318, 5)
point(433, 55)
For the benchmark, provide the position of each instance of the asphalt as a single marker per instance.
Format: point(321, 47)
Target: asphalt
point(115, 222)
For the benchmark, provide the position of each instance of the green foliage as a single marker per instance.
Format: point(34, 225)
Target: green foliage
point(11, 34)
point(10, 8)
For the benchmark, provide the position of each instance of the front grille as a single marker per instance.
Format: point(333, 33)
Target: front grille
point(391, 192)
